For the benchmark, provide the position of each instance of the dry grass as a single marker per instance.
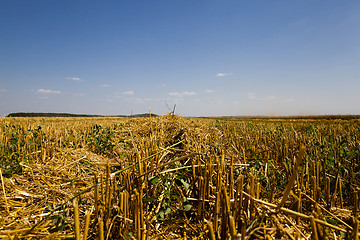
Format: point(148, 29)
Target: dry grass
point(174, 178)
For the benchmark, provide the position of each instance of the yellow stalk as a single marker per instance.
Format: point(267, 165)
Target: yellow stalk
point(101, 229)
point(76, 219)
point(211, 230)
point(356, 228)
point(87, 224)
point(314, 234)
point(291, 182)
point(4, 192)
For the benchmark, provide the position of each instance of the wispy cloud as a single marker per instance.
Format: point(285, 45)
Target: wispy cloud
point(182, 94)
point(189, 93)
point(47, 91)
point(129, 93)
point(270, 98)
point(254, 96)
point(209, 91)
point(223, 74)
point(2, 91)
point(142, 100)
point(251, 95)
point(74, 79)
point(104, 85)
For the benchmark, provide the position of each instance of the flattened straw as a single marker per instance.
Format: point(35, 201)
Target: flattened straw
point(293, 177)
point(93, 186)
point(165, 164)
point(330, 213)
point(296, 213)
point(295, 227)
point(3, 187)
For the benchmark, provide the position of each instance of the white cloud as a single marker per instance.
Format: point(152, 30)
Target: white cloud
point(129, 93)
point(223, 74)
point(104, 85)
point(209, 91)
point(182, 94)
point(47, 91)
point(74, 78)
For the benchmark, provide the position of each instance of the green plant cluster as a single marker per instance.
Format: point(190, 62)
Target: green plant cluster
point(15, 150)
point(100, 139)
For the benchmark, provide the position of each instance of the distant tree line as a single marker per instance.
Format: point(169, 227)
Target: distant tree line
point(32, 114)
point(309, 117)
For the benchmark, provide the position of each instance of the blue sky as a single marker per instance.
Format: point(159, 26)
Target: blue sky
point(210, 58)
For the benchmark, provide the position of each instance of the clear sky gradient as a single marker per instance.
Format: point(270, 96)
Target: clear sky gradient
point(210, 58)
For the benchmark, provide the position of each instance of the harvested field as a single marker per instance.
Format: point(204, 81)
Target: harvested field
point(170, 177)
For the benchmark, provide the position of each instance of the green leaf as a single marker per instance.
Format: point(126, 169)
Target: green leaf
point(167, 211)
point(186, 185)
point(50, 208)
point(149, 199)
point(153, 180)
point(180, 182)
point(161, 214)
point(187, 207)
point(331, 221)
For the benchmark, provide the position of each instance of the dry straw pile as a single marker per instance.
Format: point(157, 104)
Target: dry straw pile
point(175, 178)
